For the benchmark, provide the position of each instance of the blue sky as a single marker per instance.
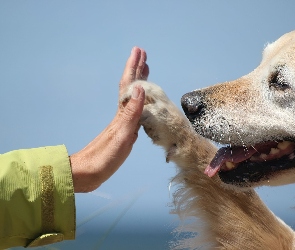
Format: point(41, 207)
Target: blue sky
point(60, 64)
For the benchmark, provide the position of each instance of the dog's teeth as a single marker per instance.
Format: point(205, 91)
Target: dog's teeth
point(283, 145)
point(292, 156)
point(263, 156)
point(274, 151)
point(230, 165)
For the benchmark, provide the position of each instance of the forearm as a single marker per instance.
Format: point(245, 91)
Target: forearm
point(102, 157)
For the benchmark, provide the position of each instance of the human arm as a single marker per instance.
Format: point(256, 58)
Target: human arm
point(33, 213)
point(101, 158)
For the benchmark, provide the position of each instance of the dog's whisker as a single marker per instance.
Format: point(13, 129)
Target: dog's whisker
point(240, 138)
point(254, 148)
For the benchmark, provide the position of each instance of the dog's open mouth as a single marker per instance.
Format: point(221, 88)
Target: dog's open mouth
point(251, 164)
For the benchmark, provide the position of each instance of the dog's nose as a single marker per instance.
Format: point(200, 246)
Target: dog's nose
point(192, 105)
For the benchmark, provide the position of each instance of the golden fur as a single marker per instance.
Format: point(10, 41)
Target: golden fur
point(226, 217)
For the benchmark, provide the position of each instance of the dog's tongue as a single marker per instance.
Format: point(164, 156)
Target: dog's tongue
point(235, 155)
point(238, 154)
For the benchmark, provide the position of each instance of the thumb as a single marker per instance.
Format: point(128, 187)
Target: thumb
point(133, 109)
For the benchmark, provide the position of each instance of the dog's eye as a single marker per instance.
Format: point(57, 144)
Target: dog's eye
point(278, 80)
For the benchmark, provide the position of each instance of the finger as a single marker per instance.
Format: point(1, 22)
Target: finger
point(133, 110)
point(141, 65)
point(130, 68)
point(145, 72)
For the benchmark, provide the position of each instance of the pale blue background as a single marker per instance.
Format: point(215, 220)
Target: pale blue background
point(61, 61)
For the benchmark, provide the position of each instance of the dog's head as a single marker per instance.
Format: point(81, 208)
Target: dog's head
point(254, 116)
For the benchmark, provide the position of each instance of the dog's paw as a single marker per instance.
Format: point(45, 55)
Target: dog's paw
point(166, 125)
point(162, 121)
point(154, 112)
point(153, 93)
point(160, 117)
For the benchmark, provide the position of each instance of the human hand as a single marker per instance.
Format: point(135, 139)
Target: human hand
point(102, 157)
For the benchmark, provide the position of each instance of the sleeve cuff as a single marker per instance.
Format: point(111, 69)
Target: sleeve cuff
point(39, 181)
point(57, 198)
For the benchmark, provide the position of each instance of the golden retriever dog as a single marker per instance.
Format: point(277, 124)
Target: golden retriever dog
point(254, 118)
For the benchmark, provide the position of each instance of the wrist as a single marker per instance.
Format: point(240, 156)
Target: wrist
point(82, 173)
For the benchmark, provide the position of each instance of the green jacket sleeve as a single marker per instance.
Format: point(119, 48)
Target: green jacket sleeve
point(37, 204)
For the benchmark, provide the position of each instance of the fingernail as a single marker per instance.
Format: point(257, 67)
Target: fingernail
point(135, 92)
point(133, 49)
